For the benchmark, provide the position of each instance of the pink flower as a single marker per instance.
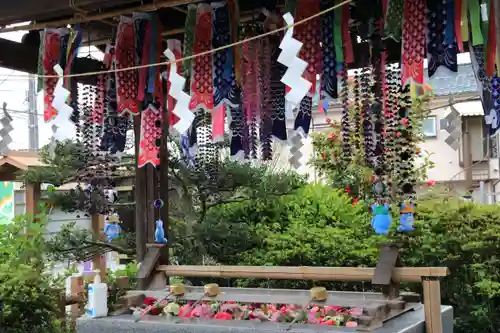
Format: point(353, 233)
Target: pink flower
point(223, 316)
point(431, 182)
point(356, 312)
point(351, 324)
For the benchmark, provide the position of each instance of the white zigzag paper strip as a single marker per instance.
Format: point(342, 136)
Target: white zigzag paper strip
point(177, 84)
point(290, 48)
point(61, 94)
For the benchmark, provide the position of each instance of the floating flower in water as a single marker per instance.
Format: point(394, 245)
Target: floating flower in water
point(223, 316)
point(320, 315)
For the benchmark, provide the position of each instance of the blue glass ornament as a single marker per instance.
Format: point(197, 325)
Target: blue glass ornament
point(158, 203)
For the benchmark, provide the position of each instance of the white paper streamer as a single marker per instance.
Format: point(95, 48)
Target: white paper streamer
point(61, 94)
point(289, 56)
point(177, 84)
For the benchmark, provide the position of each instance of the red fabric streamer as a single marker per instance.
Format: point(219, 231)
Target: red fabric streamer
point(126, 80)
point(458, 24)
point(309, 33)
point(143, 72)
point(413, 47)
point(491, 50)
point(201, 77)
point(346, 35)
point(50, 59)
point(148, 150)
point(176, 47)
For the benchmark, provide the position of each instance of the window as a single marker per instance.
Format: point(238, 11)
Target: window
point(429, 127)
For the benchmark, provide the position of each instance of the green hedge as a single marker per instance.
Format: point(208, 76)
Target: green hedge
point(318, 226)
point(28, 294)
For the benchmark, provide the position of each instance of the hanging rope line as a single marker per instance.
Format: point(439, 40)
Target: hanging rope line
point(201, 54)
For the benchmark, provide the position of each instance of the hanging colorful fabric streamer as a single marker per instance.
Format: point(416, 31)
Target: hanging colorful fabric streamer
point(310, 35)
point(201, 76)
point(175, 46)
point(148, 150)
point(115, 126)
point(491, 48)
point(251, 90)
point(189, 31)
point(51, 56)
point(126, 80)
point(329, 76)
point(394, 19)
point(224, 82)
point(441, 44)
point(413, 44)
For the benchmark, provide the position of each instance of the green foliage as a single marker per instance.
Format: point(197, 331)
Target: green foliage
point(78, 244)
point(59, 165)
point(319, 226)
point(27, 291)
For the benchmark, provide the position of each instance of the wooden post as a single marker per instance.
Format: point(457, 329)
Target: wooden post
point(139, 198)
point(432, 305)
point(32, 198)
point(76, 289)
point(98, 230)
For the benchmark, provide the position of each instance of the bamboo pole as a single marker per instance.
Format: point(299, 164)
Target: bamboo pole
point(101, 16)
point(403, 274)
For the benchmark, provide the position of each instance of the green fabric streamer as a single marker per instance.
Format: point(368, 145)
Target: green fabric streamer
point(475, 23)
point(394, 20)
point(291, 6)
point(465, 21)
point(189, 38)
point(337, 35)
point(40, 71)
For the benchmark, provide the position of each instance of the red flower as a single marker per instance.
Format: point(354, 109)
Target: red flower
point(150, 301)
point(331, 136)
point(323, 156)
point(417, 153)
point(155, 311)
point(223, 316)
point(431, 182)
point(398, 134)
point(355, 201)
point(348, 189)
point(330, 322)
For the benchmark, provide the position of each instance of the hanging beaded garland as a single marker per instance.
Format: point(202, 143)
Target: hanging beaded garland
point(346, 119)
point(366, 97)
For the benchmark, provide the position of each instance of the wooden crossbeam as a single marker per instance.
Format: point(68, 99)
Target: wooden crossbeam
point(404, 274)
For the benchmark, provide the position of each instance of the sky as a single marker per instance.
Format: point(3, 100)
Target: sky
point(13, 91)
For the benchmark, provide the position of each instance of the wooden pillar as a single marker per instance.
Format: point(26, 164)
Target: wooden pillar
point(32, 198)
point(76, 289)
point(98, 230)
point(432, 305)
point(140, 199)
